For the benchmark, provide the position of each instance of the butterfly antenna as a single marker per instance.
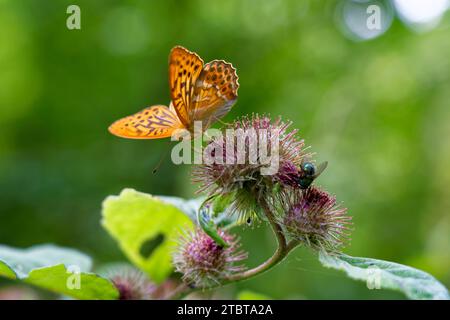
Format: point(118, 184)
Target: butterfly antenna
point(162, 158)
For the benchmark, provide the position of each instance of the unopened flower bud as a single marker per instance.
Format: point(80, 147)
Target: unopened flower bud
point(203, 262)
point(312, 217)
point(131, 283)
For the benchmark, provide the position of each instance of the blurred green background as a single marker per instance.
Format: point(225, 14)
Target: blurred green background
point(375, 104)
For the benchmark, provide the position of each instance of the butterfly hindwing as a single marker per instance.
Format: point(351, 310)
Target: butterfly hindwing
point(151, 123)
point(184, 69)
point(215, 91)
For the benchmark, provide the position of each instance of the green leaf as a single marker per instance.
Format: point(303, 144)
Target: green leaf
point(221, 218)
point(202, 216)
point(23, 261)
point(86, 286)
point(251, 295)
point(414, 283)
point(61, 270)
point(6, 271)
point(189, 207)
point(146, 228)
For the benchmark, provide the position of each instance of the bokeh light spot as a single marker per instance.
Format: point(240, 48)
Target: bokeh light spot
point(421, 15)
point(364, 20)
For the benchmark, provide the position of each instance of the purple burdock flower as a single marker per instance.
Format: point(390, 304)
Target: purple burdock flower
point(131, 283)
point(312, 217)
point(203, 262)
point(288, 174)
point(246, 160)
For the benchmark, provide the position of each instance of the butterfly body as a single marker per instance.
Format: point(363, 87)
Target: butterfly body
point(199, 92)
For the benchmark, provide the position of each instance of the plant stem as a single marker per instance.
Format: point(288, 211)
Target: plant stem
point(277, 257)
point(179, 290)
point(280, 253)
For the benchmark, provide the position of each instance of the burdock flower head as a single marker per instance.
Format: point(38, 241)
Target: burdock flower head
point(312, 217)
point(203, 262)
point(288, 174)
point(244, 162)
point(131, 283)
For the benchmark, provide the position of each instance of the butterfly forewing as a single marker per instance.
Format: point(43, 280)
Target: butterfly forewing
point(215, 91)
point(151, 123)
point(184, 69)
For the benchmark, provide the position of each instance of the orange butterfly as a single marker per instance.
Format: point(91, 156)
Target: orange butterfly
point(199, 93)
